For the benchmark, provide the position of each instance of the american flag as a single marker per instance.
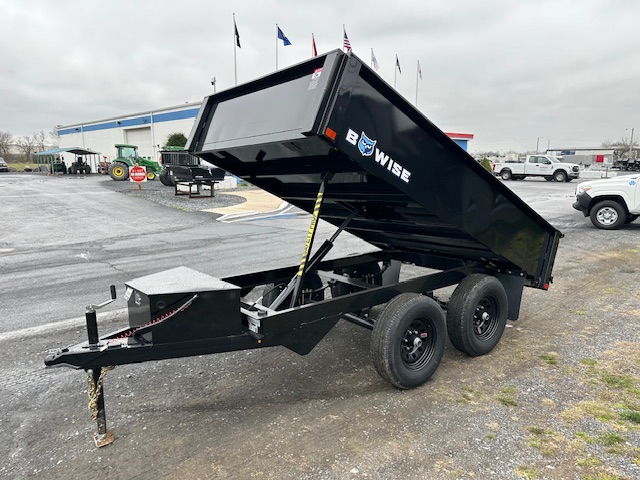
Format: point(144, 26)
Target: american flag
point(346, 42)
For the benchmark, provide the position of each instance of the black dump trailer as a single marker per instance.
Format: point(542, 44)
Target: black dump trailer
point(331, 137)
point(178, 165)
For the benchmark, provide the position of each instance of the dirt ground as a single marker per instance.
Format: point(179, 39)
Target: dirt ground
point(559, 398)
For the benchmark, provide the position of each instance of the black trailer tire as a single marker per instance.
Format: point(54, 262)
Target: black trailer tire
point(608, 215)
point(560, 176)
point(312, 290)
point(631, 218)
point(408, 338)
point(118, 171)
point(477, 314)
point(505, 174)
point(166, 180)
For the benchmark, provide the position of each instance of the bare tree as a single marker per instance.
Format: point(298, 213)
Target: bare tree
point(39, 141)
point(27, 144)
point(6, 139)
point(54, 137)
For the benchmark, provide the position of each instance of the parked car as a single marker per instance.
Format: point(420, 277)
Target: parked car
point(610, 202)
point(3, 165)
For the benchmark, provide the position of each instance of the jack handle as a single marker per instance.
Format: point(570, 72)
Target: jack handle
point(91, 319)
point(93, 307)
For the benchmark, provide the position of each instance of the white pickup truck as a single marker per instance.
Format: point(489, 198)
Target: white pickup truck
point(547, 166)
point(610, 202)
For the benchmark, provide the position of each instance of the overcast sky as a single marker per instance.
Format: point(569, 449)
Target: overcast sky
point(508, 71)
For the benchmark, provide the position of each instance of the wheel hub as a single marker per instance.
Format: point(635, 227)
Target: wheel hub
point(607, 216)
point(483, 319)
point(413, 342)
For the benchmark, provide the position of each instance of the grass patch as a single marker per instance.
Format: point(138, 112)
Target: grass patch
point(586, 438)
point(631, 415)
point(588, 462)
point(490, 436)
point(603, 476)
point(617, 381)
point(610, 439)
point(598, 410)
point(542, 440)
point(590, 362)
point(526, 472)
point(579, 312)
point(507, 401)
point(551, 358)
point(506, 396)
point(539, 431)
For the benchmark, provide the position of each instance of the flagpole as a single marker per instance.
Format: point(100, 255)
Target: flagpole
point(276, 46)
point(417, 70)
point(235, 66)
point(395, 72)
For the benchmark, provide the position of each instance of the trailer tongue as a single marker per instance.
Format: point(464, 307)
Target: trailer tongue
point(329, 136)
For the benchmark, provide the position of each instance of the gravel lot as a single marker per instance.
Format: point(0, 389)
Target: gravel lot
point(155, 191)
point(559, 397)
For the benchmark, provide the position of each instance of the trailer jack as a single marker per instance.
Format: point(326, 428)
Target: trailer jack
point(95, 377)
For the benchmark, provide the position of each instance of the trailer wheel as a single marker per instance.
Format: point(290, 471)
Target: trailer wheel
point(560, 176)
point(505, 174)
point(608, 215)
point(311, 291)
point(407, 342)
point(118, 171)
point(477, 314)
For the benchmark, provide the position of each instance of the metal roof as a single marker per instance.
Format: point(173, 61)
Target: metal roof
point(74, 150)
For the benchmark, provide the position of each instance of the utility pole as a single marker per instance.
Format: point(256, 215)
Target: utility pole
point(538, 144)
point(630, 142)
point(213, 82)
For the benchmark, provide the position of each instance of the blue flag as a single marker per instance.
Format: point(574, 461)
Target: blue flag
point(283, 37)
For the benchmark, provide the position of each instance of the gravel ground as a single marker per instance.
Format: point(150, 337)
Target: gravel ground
point(155, 191)
point(559, 397)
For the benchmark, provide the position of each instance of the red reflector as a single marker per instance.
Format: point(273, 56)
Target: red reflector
point(331, 134)
point(545, 286)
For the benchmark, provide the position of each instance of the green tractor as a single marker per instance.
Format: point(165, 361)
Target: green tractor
point(127, 157)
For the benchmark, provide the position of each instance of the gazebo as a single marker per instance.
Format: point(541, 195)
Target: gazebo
point(55, 157)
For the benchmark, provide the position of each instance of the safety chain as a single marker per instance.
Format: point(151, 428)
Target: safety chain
point(94, 391)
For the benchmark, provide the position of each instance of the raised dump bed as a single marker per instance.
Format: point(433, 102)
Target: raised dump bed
point(331, 137)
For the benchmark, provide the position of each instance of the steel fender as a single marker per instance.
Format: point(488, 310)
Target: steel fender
point(513, 286)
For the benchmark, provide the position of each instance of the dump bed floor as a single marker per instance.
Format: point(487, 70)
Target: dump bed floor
point(414, 191)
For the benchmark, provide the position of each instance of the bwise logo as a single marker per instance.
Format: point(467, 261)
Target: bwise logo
point(366, 146)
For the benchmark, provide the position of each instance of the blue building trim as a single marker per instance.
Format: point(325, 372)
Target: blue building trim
point(462, 143)
point(133, 122)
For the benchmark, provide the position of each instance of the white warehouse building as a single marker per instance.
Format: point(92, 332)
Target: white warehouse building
point(148, 130)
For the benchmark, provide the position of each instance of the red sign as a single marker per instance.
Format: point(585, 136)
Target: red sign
point(137, 174)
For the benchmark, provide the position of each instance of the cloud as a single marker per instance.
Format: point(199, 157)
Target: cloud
point(509, 72)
